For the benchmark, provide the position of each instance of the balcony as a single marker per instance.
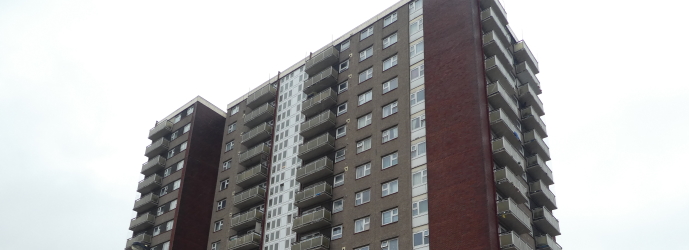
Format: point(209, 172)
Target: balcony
point(146, 202)
point(497, 72)
point(545, 242)
point(528, 95)
point(319, 102)
point(537, 168)
point(259, 115)
point(249, 197)
point(320, 61)
point(504, 154)
point(246, 220)
point(503, 126)
point(535, 144)
point(508, 184)
point(265, 94)
point(511, 215)
point(493, 19)
point(493, 47)
point(312, 221)
point(318, 124)
point(318, 146)
point(500, 99)
point(258, 134)
point(532, 121)
point(545, 221)
point(158, 147)
point(245, 242)
point(511, 241)
point(152, 166)
point(522, 53)
point(540, 193)
point(315, 170)
point(150, 183)
point(142, 222)
point(252, 176)
point(527, 75)
point(143, 238)
point(254, 155)
point(161, 129)
point(321, 81)
point(313, 195)
point(316, 243)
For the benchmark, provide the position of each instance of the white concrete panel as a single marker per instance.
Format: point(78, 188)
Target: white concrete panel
point(419, 220)
point(418, 107)
point(419, 190)
point(418, 134)
point(416, 58)
point(418, 161)
point(418, 82)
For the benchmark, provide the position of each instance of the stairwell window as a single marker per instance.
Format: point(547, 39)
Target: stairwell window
point(344, 66)
point(390, 19)
point(342, 87)
point(232, 127)
point(338, 180)
point(344, 45)
point(224, 184)
point(221, 204)
point(340, 155)
point(226, 165)
point(338, 205)
point(234, 110)
point(229, 146)
point(341, 131)
point(390, 62)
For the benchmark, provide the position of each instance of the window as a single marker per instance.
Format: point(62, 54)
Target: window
point(417, 97)
point(190, 110)
point(364, 121)
point(342, 109)
point(389, 160)
point(363, 170)
point(366, 33)
point(418, 149)
point(365, 75)
point(161, 210)
point(229, 146)
point(389, 188)
point(363, 145)
point(163, 191)
point(341, 131)
point(342, 87)
point(416, 49)
point(217, 226)
point(344, 66)
point(183, 146)
point(215, 245)
point(365, 97)
point(391, 244)
point(336, 233)
point(419, 208)
point(224, 184)
point(390, 134)
point(176, 184)
point(362, 224)
point(156, 230)
point(421, 238)
point(416, 26)
point(232, 127)
point(180, 165)
point(177, 118)
point(340, 155)
point(390, 216)
point(362, 197)
point(389, 109)
point(174, 135)
point(417, 72)
point(416, 5)
point(390, 19)
point(390, 62)
point(186, 128)
point(362, 248)
point(419, 178)
point(338, 205)
point(226, 165)
point(166, 246)
point(171, 153)
point(168, 225)
point(418, 122)
point(364, 54)
point(389, 40)
point(389, 85)
point(234, 110)
point(167, 172)
point(222, 204)
point(344, 45)
point(173, 205)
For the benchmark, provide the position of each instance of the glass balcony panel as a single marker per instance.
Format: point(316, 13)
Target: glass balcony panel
point(146, 202)
point(544, 220)
point(246, 220)
point(143, 238)
point(535, 145)
point(528, 95)
point(313, 195)
point(498, 72)
point(318, 124)
point(254, 155)
point(546, 242)
point(319, 102)
point(320, 61)
point(532, 121)
point(249, 197)
point(161, 129)
point(252, 176)
point(158, 147)
point(511, 215)
point(510, 185)
point(318, 146)
point(316, 243)
point(150, 183)
point(256, 135)
point(504, 127)
point(245, 242)
point(537, 168)
point(142, 222)
point(312, 221)
point(259, 115)
point(492, 21)
point(540, 193)
point(527, 75)
point(265, 94)
point(321, 81)
point(511, 241)
point(522, 53)
point(315, 170)
point(153, 165)
point(504, 154)
point(498, 97)
point(493, 47)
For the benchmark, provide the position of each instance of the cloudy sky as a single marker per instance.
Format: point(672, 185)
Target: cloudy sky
point(82, 82)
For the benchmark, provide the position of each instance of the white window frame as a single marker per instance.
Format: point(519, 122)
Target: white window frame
point(217, 226)
point(391, 244)
point(174, 135)
point(173, 205)
point(171, 153)
point(167, 172)
point(234, 110)
point(183, 146)
point(156, 230)
point(341, 131)
point(229, 146)
point(363, 170)
point(338, 205)
point(160, 211)
point(362, 197)
point(366, 33)
point(232, 127)
point(417, 72)
point(415, 5)
point(418, 122)
point(416, 49)
point(389, 19)
point(365, 97)
point(227, 165)
point(390, 134)
point(418, 150)
point(342, 108)
point(389, 40)
point(344, 45)
point(366, 53)
point(177, 118)
point(340, 155)
point(163, 191)
point(214, 245)
point(176, 185)
point(390, 85)
point(342, 87)
point(392, 158)
point(166, 246)
point(340, 182)
point(417, 208)
point(366, 120)
point(336, 232)
point(169, 225)
point(390, 109)
point(416, 26)
point(390, 62)
point(224, 184)
point(419, 178)
point(361, 225)
point(344, 66)
point(424, 239)
point(417, 97)
point(221, 204)
point(363, 145)
point(365, 75)
point(390, 187)
point(186, 128)
point(393, 215)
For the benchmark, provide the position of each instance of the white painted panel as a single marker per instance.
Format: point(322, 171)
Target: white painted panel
point(418, 134)
point(415, 36)
point(418, 161)
point(415, 14)
point(418, 82)
point(422, 248)
point(419, 190)
point(418, 107)
point(416, 58)
point(419, 220)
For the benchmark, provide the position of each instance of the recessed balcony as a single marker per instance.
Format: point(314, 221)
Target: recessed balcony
point(143, 238)
point(532, 121)
point(259, 115)
point(252, 176)
point(254, 155)
point(500, 99)
point(246, 220)
point(495, 4)
point(540, 193)
point(318, 146)
point(527, 75)
point(312, 221)
point(511, 241)
point(535, 144)
point(265, 94)
point(318, 124)
point(249, 197)
point(537, 168)
point(245, 242)
point(146, 202)
point(522, 53)
point(142, 222)
point(319, 242)
point(493, 19)
point(528, 95)
point(319, 102)
point(320, 61)
point(315, 170)
point(511, 215)
point(509, 185)
point(492, 46)
point(544, 220)
point(503, 126)
point(313, 195)
point(150, 183)
point(497, 72)
point(153, 165)
point(256, 135)
point(158, 147)
point(545, 242)
point(321, 81)
point(504, 154)
point(161, 129)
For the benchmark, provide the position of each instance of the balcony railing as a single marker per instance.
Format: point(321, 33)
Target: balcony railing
point(504, 154)
point(317, 147)
point(157, 147)
point(258, 134)
point(316, 243)
point(522, 53)
point(265, 94)
point(312, 221)
point(528, 95)
point(540, 193)
point(544, 220)
point(320, 81)
point(509, 184)
point(315, 170)
point(545, 242)
point(319, 102)
point(150, 183)
point(259, 115)
point(254, 155)
point(511, 241)
point(493, 19)
point(142, 222)
point(146, 202)
point(527, 75)
point(537, 168)
point(152, 166)
point(161, 129)
point(511, 215)
point(503, 126)
point(535, 144)
point(322, 60)
point(249, 197)
point(499, 98)
point(497, 72)
point(246, 220)
point(252, 176)
point(245, 242)
point(143, 238)
point(492, 46)
point(318, 124)
point(531, 120)
point(314, 194)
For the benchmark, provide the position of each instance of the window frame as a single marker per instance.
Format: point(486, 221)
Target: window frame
point(367, 118)
point(367, 73)
point(390, 134)
point(386, 244)
point(334, 236)
point(337, 183)
point(390, 19)
point(340, 89)
point(337, 131)
point(229, 146)
point(415, 148)
point(221, 204)
point(424, 238)
point(394, 157)
point(390, 40)
point(339, 207)
point(365, 97)
point(416, 49)
point(418, 123)
point(423, 177)
point(234, 110)
point(418, 24)
point(365, 197)
point(391, 60)
point(217, 226)
point(366, 33)
point(392, 187)
point(365, 170)
point(232, 127)
point(363, 145)
point(390, 85)
point(227, 165)
point(393, 109)
point(342, 45)
point(416, 208)
point(224, 184)
point(346, 66)
point(342, 157)
point(340, 112)
point(362, 224)
point(393, 214)
point(366, 53)
point(421, 70)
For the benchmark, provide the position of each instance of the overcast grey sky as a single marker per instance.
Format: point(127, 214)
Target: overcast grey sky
point(82, 82)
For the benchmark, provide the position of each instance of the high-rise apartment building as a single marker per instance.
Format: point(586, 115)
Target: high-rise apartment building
point(419, 129)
